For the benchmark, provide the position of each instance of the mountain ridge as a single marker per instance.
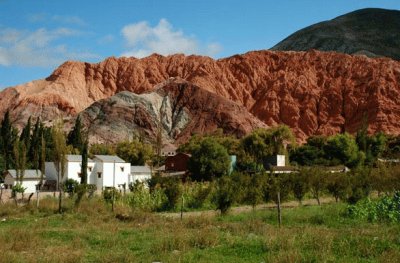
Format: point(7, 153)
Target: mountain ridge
point(370, 31)
point(312, 92)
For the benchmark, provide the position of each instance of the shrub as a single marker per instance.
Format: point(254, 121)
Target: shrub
point(197, 194)
point(108, 194)
point(385, 209)
point(70, 186)
point(224, 194)
point(173, 192)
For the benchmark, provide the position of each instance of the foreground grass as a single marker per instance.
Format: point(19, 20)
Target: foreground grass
point(93, 234)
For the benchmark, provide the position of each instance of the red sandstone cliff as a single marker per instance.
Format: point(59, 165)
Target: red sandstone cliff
point(312, 92)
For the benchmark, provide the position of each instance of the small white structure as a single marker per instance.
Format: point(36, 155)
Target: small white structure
point(140, 173)
point(30, 180)
point(73, 169)
point(168, 150)
point(110, 171)
point(277, 165)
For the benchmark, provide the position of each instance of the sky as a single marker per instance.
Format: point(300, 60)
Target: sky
point(36, 36)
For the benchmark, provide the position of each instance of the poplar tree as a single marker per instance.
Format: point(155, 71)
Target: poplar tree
point(59, 157)
point(84, 163)
point(7, 140)
point(75, 136)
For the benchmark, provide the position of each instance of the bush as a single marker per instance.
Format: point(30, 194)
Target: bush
point(197, 194)
point(173, 192)
point(142, 199)
point(224, 195)
point(108, 194)
point(386, 209)
point(70, 186)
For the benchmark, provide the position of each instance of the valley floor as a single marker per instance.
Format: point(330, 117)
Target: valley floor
point(93, 233)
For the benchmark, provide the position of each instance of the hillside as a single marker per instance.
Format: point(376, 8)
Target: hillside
point(313, 92)
point(178, 108)
point(372, 32)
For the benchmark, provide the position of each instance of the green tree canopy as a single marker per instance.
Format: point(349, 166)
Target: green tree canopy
point(210, 160)
point(135, 152)
point(342, 148)
point(262, 143)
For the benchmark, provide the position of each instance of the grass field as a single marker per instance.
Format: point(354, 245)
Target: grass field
point(93, 234)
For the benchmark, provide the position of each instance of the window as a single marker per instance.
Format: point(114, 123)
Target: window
point(122, 168)
point(90, 168)
point(79, 174)
point(99, 175)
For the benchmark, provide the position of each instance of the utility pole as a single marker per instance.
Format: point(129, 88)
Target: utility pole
point(113, 189)
point(279, 209)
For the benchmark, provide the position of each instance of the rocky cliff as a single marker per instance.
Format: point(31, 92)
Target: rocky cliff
point(177, 108)
point(313, 92)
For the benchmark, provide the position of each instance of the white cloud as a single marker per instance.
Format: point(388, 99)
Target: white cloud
point(143, 40)
point(63, 19)
point(37, 48)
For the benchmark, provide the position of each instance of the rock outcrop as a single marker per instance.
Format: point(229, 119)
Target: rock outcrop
point(312, 92)
point(178, 109)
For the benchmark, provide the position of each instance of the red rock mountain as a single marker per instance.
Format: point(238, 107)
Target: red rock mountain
point(313, 92)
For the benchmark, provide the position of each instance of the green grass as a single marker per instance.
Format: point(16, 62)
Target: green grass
point(93, 234)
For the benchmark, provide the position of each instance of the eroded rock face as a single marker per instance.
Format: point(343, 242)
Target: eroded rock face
point(178, 107)
point(312, 92)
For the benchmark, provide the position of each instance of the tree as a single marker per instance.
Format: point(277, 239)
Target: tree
point(342, 148)
point(42, 160)
point(59, 158)
point(338, 185)
point(26, 134)
point(84, 166)
point(102, 149)
point(75, 136)
point(300, 185)
point(210, 160)
point(311, 153)
point(262, 143)
point(35, 145)
point(318, 180)
point(7, 138)
point(135, 152)
point(254, 190)
point(224, 194)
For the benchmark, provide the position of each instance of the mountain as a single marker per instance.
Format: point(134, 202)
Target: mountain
point(373, 32)
point(178, 107)
point(313, 92)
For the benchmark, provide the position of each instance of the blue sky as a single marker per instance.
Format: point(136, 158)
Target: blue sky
point(37, 35)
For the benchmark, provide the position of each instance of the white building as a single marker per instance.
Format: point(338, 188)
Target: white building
point(140, 173)
point(103, 171)
point(73, 169)
point(30, 180)
point(110, 170)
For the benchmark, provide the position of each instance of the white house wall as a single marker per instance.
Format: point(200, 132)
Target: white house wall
point(29, 184)
point(121, 177)
point(141, 177)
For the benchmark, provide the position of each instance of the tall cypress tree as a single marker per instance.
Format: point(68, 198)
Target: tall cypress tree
point(42, 158)
point(75, 137)
point(7, 140)
point(34, 151)
point(84, 163)
point(26, 134)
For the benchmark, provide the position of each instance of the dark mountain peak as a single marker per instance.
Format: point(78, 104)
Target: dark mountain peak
point(373, 32)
